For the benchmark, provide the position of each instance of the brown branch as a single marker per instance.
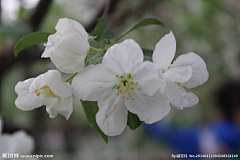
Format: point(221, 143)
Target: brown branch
point(39, 14)
point(105, 10)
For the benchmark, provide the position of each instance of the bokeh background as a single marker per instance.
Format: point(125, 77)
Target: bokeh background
point(210, 28)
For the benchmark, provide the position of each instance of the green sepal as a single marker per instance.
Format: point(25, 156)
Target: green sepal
point(30, 40)
point(142, 23)
point(90, 109)
point(133, 121)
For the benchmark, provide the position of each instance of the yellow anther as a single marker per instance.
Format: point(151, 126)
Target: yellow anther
point(133, 99)
point(122, 80)
point(185, 83)
point(123, 73)
point(138, 89)
point(53, 95)
point(129, 74)
point(132, 88)
point(129, 93)
point(131, 78)
point(127, 99)
point(123, 97)
point(120, 90)
point(179, 83)
point(136, 82)
point(38, 94)
point(46, 86)
point(124, 87)
point(179, 88)
point(117, 75)
point(130, 82)
point(176, 82)
point(118, 93)
point(36, 91)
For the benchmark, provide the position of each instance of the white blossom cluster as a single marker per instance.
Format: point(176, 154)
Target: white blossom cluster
point(123, 82)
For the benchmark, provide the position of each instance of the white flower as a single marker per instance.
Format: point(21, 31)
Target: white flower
point(46, 89)
point(187, 70)
point(68, 47)
point(18, 142)
point(121, 83)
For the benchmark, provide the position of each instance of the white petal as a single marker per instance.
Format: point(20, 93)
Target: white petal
point(26, 100)
point(149, 109)
point(113, 67)
point(199, 71)
point(70, 53)
point(112, 114)
point(165, 51)
point(49, 101)
point(68, 25)
point(22, 143)
point(149, 77)
point(126, 53)
point(179, 98)
point(179, 74)
point(189, 99)
point(63, 107)
point(92, 82)
point(54, 81)
point(37, 83)
point(52, 40)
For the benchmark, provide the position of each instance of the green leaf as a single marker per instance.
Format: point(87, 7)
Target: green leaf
point(133, 121)
point(142, 23)
point(147, 54)
point(90, 109)
point(30, 40)
point(102, 30)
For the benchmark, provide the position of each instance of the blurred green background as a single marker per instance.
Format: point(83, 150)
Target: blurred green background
point(209, 28)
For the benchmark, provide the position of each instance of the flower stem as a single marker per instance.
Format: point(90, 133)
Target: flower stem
point(70, 77)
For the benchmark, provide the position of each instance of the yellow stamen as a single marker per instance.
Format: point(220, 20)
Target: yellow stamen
point(128, 92)
point(37, 94)
point(179, 83)
point(133, 99)
point(129, 74)
point(120, 90)
point(122, 80)
point(127, 99)
point(46, 86)
point(130, 82)
point(136, 82)
point(117, 75)
point(138, 89)
point(131, 78)
point(124, 87)
point(123, 97)
point(176, 82)
point(118, 93)
point(132, 88)
point(185, 83)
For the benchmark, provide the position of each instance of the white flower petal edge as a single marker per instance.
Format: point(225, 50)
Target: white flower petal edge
point(18, 142)
point(46, 89)
point(165, 51)
point(199, 70)
point(92, 82)
point(112, 114)
point(118, 82)
point(187, 70)
point(179, 98)
point(26, 100)
point(149, 109)
point(126, 54)
point(68, 47)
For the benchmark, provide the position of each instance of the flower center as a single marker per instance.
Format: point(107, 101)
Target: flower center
point(126, 85)
point(45, 91)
